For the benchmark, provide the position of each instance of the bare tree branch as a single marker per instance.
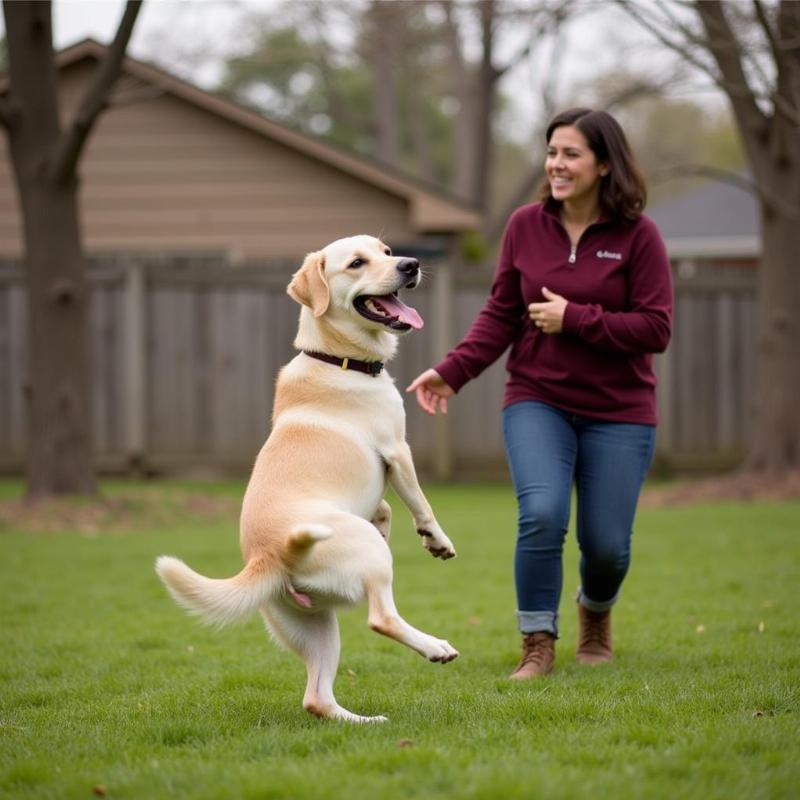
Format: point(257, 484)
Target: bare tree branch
point(721, 42)
point(682, 46)
point(549, 84)
point(550, 21)
point(729, 61)
point(724, 46)
point(644, 87)
point(769, 33)
point(674, 22)
point(95, 99)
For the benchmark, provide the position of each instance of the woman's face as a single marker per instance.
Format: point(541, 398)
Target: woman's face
point(572, 167)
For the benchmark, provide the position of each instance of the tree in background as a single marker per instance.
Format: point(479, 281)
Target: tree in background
point(45, 154)
point(414, 83)
point(752, 52)
point(368, 77)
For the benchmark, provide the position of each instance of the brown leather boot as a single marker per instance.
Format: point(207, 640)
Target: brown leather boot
point(594, 636)
point(538, 655)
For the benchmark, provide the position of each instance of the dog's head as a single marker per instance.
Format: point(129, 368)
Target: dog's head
point(356, 280)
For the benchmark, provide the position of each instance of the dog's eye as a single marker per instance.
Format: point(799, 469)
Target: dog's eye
point(356, 263)
point(387, 251)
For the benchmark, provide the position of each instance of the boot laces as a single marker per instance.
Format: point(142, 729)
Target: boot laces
point(534, 648)
point(594, 626)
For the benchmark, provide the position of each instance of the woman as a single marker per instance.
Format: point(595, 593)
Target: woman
point(583, 295)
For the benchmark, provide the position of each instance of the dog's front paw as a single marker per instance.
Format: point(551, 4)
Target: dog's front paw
point(436, 542)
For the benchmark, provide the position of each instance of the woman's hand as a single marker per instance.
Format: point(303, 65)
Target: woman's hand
point(432, 391)
point(548, 316)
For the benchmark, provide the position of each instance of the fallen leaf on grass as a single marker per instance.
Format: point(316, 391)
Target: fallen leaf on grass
point(761, 626)
point(99, 790)
point(700, 629)
point(405, 743)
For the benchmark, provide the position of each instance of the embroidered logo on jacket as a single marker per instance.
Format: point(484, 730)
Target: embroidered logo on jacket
point(608, 254)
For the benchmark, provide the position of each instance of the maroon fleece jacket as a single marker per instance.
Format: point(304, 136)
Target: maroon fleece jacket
point(618, 285)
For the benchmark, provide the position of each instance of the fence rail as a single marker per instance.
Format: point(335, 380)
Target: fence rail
point(185, 358)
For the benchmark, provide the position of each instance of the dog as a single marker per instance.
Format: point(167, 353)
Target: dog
point(314, 525)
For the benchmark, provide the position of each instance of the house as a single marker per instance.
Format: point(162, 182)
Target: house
point(717, 221)
point(173, 169)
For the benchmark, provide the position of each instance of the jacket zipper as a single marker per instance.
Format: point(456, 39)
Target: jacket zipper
point(573, 248)
point(572, 251)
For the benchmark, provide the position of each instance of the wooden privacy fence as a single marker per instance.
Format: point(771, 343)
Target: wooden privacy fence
point(185, 359)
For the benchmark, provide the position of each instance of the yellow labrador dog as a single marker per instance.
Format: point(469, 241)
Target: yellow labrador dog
point(314, 524)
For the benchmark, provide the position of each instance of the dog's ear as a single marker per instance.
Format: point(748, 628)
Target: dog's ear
point(308, 285)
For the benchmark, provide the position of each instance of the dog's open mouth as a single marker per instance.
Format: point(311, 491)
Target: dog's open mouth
point(389, 310)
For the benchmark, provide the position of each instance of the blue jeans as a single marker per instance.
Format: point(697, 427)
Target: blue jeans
point(548, 451)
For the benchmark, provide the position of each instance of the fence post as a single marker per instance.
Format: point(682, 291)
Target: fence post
point(441, 342)
point(134, 365)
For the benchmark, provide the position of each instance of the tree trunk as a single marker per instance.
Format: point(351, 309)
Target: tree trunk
point(772, 143)
point(383, 21)
point(776, 425)
point(60, 453)
point(487, 84)
point(462, 181)
point(57, 393)
point(45, 161)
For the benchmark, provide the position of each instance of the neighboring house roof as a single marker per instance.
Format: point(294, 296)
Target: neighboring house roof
point(717, 219)
point(432, 210)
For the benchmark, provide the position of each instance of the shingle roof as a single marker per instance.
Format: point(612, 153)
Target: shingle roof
point(716, 219)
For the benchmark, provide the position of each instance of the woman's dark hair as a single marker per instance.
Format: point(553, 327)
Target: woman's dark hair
point(622, 190)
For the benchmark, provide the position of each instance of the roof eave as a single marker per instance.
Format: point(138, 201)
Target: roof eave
point(714, 247)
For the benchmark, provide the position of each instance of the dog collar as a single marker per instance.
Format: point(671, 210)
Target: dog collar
point(373, 368)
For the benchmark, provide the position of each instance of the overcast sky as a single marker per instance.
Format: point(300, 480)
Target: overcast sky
point(74, 20)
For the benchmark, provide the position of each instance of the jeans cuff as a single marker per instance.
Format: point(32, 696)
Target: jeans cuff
point(537, 621)
point(593, 605)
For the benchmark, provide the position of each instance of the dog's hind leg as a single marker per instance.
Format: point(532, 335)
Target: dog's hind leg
point(384, 619)
point(364, 560)
point(314, 636)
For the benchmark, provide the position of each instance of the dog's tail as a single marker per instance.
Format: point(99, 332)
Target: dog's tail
point(220, 601)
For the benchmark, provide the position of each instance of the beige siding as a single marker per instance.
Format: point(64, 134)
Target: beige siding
point(161, 174)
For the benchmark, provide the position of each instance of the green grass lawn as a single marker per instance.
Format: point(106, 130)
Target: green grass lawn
point(107, 687)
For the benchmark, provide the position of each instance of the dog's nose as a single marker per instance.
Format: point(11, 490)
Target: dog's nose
point(408, 266)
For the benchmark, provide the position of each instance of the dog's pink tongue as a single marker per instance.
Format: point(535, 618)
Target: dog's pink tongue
point(404, 313)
